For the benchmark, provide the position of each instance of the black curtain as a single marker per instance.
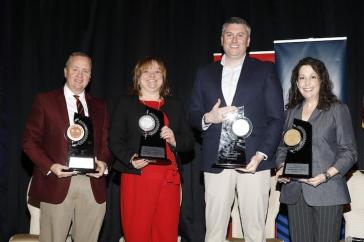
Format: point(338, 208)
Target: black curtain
point(38, 35)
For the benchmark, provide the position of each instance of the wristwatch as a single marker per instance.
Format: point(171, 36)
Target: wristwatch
point(327, 176)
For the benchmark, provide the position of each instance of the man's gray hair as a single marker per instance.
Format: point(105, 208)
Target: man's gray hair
point(236, 20)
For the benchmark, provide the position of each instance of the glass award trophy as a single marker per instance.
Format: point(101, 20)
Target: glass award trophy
point(152, 146)
point(235, 128)
point(298, 140)
point(81, 157)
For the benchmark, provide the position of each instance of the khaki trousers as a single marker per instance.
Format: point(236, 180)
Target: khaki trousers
point(253, 196)
point(79, 209)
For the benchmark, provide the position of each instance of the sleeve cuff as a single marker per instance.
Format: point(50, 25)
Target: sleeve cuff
point(132, 158)
point(106, 171)
point(261, 153)
point(204, 125)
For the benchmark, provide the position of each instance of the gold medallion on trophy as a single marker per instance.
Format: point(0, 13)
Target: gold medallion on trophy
point(292, 137)
point(75, 132)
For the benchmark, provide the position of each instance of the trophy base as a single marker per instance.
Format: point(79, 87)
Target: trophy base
point(81, 165)
point(81, 171)
point(153, 153)
point(228, 165)
point(295, 177)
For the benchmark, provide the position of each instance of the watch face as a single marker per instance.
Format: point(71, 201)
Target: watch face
point(75, 132)
point(241, 127)
point(292, 137)
point(147, 123)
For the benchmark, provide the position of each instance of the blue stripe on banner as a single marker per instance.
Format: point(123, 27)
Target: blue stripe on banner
point(342, 234)
point(282, 228)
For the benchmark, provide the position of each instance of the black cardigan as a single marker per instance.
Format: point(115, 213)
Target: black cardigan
point(124, 133)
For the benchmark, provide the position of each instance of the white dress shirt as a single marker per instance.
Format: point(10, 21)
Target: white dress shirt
point(229, 82)
point(71, 103)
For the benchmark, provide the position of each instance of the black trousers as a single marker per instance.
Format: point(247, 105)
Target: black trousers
point(314, 223)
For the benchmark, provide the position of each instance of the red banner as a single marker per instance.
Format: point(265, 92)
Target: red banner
point(260, 55)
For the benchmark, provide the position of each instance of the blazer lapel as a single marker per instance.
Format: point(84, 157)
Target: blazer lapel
point(217, 75)
point(139, 106)
point(61, 100)
point(63, 114)
point(92, 113)
point(298, 113)
point(314, 114)
point(242, 89)
point(89, 106)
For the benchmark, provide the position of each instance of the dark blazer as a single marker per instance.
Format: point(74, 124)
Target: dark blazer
point(259, 91)
point(124, 136)
point(333, 144)
point(45, 143)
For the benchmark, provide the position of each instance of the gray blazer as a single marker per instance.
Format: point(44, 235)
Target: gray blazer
point(333, 144)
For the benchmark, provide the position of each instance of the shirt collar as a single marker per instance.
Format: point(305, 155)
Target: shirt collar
point(69, 93)
point(241, 61)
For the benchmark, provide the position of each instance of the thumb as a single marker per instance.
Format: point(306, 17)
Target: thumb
point(217, 104)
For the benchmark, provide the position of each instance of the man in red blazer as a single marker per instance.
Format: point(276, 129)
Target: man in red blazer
point(67, 198)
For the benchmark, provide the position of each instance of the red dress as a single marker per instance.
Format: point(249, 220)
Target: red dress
point(150, 202)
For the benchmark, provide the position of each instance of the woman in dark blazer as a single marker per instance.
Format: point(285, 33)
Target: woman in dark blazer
point(315, 205)
point(149, 189)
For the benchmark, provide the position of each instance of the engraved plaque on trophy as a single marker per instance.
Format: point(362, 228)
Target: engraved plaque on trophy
point(235, 128)
point(81, 157)
point(152, 146)
point(298, 140)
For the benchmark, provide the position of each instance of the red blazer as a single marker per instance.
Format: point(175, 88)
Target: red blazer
point(45, 143)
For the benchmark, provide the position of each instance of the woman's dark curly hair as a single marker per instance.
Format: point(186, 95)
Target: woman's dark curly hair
point(326, 96)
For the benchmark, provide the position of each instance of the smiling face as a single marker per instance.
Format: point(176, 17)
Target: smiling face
point(77, 73)
point(308, 83)
point(235, 40)
point(151, 79)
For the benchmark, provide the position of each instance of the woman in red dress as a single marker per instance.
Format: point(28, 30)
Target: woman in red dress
point(149, 189)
